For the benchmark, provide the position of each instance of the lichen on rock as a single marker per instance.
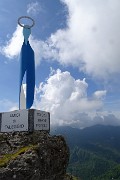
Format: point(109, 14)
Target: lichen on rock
point(33, 156)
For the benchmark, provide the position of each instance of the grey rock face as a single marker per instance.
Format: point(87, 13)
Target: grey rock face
point(33, 156)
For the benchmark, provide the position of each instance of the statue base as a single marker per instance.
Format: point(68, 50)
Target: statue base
point(24, 120)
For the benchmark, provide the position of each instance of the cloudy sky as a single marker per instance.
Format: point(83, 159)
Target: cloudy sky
point(77, 58)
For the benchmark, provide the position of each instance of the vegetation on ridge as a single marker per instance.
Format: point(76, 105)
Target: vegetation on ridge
point(94, 152)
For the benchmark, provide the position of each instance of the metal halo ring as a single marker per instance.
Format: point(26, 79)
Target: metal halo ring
point(33, 22)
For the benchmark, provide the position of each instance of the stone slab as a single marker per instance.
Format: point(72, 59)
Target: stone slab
point(41, 120)
point(25, 120)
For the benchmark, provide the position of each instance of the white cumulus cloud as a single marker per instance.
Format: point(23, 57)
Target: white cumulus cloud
point(65, 98)
point(12, 47)
point(91, 39)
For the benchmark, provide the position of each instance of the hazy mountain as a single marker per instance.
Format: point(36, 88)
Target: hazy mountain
point(95, 151)
point(105, 135)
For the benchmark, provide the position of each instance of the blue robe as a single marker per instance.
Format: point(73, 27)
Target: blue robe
point(28, 66)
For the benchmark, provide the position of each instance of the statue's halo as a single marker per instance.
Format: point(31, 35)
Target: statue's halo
point(26, 26)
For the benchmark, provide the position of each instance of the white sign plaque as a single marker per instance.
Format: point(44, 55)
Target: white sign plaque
point(41, 120)
point(14, 121)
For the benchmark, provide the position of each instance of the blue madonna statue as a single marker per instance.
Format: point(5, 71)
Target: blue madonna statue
point(27, 66)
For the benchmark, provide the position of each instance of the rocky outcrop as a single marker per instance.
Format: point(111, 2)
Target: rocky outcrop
point(33, 156)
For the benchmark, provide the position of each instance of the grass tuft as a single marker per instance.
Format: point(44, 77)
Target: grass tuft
point(8, 157)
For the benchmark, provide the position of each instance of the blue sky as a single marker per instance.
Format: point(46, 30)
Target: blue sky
point(77, 57)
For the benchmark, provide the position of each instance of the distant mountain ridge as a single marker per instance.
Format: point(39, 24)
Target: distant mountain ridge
point(107, 135)
point(95, 151)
